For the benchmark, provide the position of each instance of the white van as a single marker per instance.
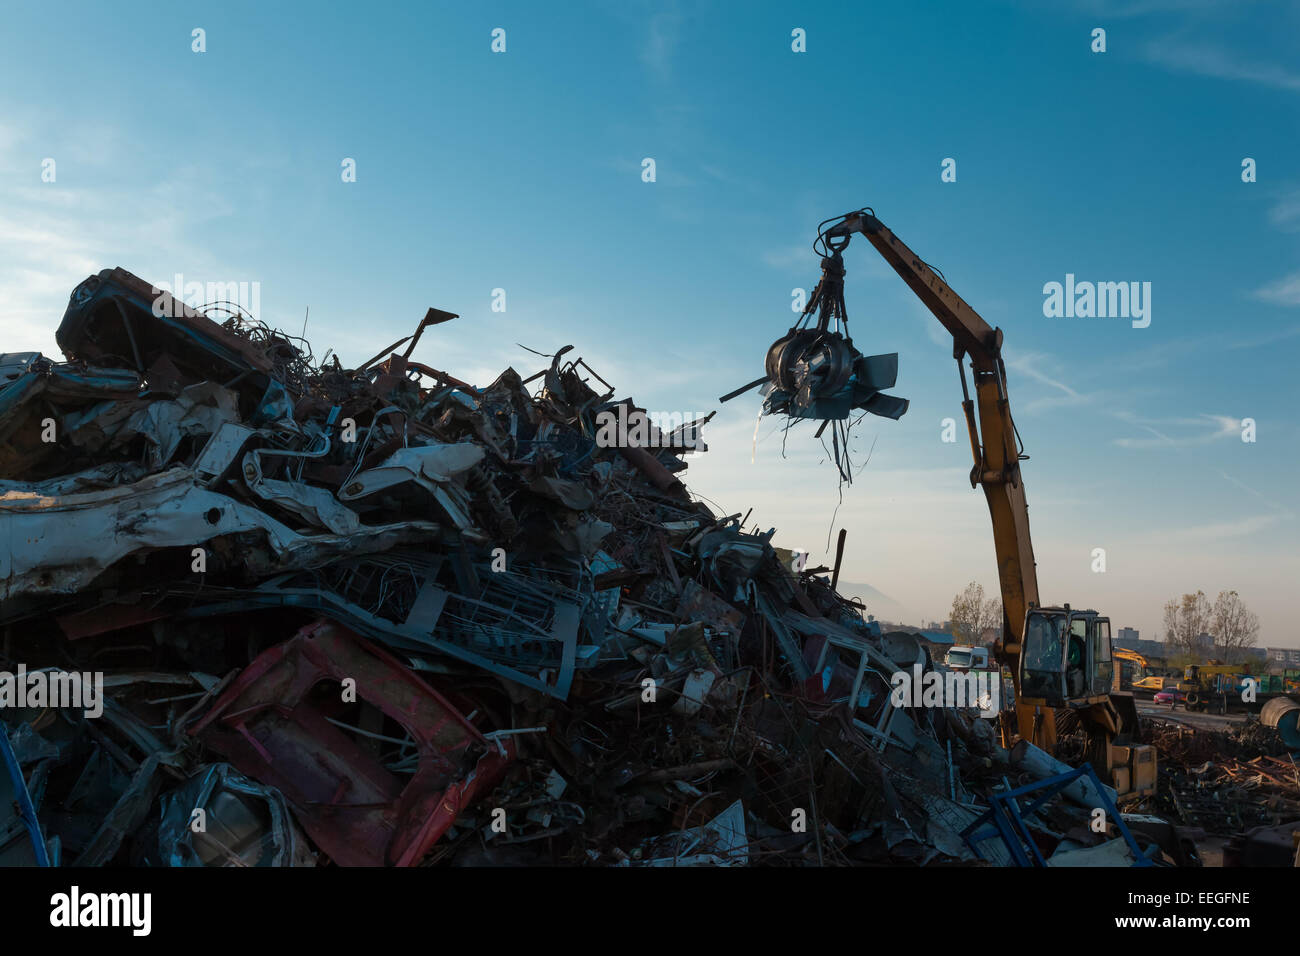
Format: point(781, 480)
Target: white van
point(964, 657)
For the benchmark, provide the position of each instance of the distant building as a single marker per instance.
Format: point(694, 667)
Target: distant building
point(1129, 640)
point(1255, 656)
point(1154, 649)
point(1284, 656)
point(937, 637)
point(935, 642)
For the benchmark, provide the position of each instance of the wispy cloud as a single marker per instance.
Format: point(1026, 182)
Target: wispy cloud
point(1281, 509)
point(1204, 429)
point(52, 237)
point(1285, 213)
point(794, 256)
point(1123, 9)
point(1268, 338)
point(663, 35)
point(1037, 366)
point(1025, 364)
point(1232, 528)
point(1204, 59)
point(1285, 291)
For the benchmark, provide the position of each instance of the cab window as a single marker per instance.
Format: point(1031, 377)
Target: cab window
point(1043, 655)
point(1102, 668)
point(1076, 658)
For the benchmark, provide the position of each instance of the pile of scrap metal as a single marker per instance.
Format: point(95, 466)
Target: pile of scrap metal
point(260, 610)
point(1229, 782)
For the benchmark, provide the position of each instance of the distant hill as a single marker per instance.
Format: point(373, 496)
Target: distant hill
point(879, 605)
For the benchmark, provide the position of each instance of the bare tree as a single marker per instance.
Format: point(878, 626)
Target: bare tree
point(1233, 625)
point(1186, 618)
point(1171, 626)
point(992, 617)
point(971, 614)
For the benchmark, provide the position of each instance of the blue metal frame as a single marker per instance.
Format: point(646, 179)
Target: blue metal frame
point(24, 799)
point(1006, 819)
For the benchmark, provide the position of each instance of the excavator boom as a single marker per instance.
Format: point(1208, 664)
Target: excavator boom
point(992, 432)
point(1058, 657)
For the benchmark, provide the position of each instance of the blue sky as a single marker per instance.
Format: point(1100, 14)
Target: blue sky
point(522, 171)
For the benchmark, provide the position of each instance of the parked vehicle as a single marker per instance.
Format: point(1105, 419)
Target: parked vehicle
point(1153, 685)
point(964, 657)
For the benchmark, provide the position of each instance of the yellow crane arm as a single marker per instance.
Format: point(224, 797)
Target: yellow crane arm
point(994, 444)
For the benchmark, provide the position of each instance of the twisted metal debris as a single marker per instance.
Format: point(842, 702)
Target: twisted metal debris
point(379, 615)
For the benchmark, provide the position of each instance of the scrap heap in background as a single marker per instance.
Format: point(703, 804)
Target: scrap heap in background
point(381, 616)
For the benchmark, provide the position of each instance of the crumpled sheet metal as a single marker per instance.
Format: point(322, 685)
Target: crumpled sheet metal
point(115, 315)
point(720, 842)
point(243, 823)
point(58, 544)
point(30, 385)
point(275, 725)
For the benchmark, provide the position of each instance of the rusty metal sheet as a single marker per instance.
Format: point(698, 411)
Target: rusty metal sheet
point(279, 724)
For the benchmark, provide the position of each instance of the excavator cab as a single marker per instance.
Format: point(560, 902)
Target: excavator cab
point(1066, 665)
point(1065, 659)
